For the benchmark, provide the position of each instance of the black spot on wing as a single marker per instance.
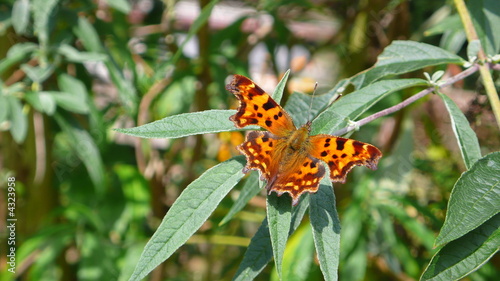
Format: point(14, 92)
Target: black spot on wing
point(340, 144)
point(269, 104)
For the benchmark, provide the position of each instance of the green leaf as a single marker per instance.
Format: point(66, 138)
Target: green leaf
point(16, 53)
point(302, 110)
point(466, 254)
point(41, 101)
point(21, 14)
point(248, 191)
point(85, 148)
point(88, 35)
point(36, 73)
point(326, 229)
point(280, 88)
point(402, 57)
point(187, 124)
point(43, 11)
point(121, 5)
point(466, 137)
point(67, 101)
point(298, 105)
point(449, 23)
point(188, 213)
point(473, 49)
point(485, 17)
point(474, 199)
point(351, 106)
point(299, 255)
point(453, 41)
point(75, 55)
point(279, 218)
point(259, 252)
point(75, 95)
point(19, 120)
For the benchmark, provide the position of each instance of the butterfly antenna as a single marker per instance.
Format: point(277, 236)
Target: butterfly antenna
point(312, 98)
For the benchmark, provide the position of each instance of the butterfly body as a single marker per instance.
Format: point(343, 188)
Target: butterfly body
point(288, 157)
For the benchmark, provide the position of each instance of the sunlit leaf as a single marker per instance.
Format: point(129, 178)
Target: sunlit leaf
point(259, 252)
point(299, 254)
point(356, 103)
point(474, 199)
point(280, 88)
point(466, 137)
point(181, 125)
point(279, 218)
point(402, 57)
point(248, 191)
point(466, 254)
point(326, 229)
point(191, 209)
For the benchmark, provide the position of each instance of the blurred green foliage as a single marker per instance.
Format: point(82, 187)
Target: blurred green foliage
point(89, 198)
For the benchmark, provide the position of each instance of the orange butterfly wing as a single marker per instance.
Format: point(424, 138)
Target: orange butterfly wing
point(304, 176)
point(259, 149)
point(258, 108)
point(287, 157)
point(294, 173)
point(341, 154)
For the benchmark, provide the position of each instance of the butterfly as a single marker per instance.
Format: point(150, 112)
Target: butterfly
point(288, 157)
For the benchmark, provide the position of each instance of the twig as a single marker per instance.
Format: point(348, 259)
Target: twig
point(471, 70)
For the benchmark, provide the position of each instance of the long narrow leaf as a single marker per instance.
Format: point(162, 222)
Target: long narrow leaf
point(466, 138)
point(259, 252)
point(86, 149)
point(187, 124)
point(474, 199)
point(248, 191)
point(279, 218)
point(188, 213)
point(280, 88)
point(356, 103)
point(299, 254)
point(402, 57)
point(326, 229)
point(466, 254)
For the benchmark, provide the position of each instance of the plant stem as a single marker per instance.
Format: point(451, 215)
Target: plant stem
point(471, 70)
point(484, 70)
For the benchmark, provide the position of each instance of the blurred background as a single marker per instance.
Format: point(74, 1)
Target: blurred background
point(88, 198)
